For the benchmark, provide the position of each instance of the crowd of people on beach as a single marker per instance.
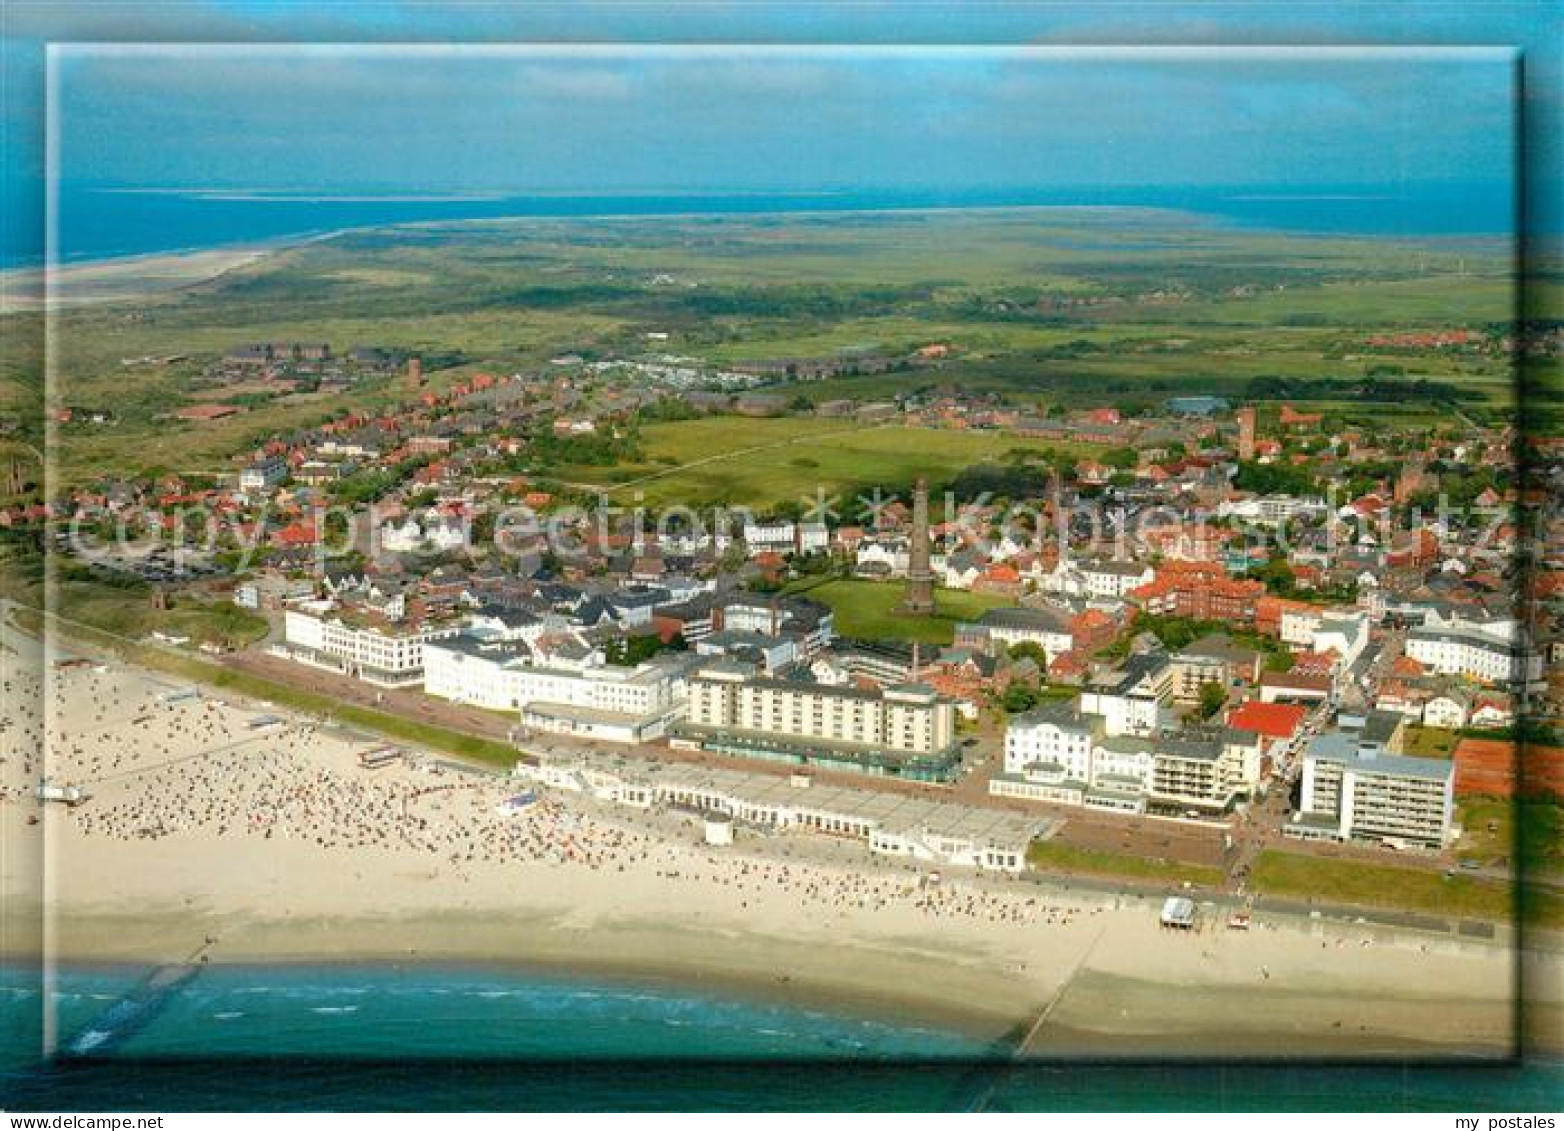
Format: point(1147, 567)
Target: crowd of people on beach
point(161, 763)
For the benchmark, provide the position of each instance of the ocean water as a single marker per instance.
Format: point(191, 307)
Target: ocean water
point(256, 1038)
point(98, 222)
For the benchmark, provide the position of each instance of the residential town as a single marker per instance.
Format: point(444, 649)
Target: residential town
point(1252, 627)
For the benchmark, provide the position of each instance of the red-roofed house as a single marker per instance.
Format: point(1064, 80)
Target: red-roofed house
point(1270, 720)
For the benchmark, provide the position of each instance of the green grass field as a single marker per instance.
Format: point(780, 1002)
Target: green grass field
point(1051, 856)
point(1430, 742)
point(763, 463)
point(867, 610)
point(1159, 305)
point(1380, 885)
point(128, 611)
point(1495, 829)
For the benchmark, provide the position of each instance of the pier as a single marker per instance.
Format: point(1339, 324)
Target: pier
point(137, 1008)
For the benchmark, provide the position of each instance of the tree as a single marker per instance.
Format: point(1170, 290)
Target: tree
point(1030, 650)
point(1018, 697)
point(1278, 577)
point(634, 650)
point(1212, 696)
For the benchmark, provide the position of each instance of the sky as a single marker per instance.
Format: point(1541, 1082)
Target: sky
point(397, 98)
point(777, 117)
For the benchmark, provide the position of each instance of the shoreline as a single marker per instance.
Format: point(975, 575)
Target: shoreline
point(95, 267)
point(879, 987)
point(1101, 1014)
point(280, 845)
point(138, 275)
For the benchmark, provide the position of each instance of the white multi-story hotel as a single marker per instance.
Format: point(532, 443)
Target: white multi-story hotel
point(1493, 653)
point(586, 698)
point(1065, 754)
point(1358, 791)
point(906, 730)
point(391, 655)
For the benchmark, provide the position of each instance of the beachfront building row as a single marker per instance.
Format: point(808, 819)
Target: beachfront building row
point(1357, 786)
point(904, 730)
point(890, 824)
point(1065, 754)
point(384, 653)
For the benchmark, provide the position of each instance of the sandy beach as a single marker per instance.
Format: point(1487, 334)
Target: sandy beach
point(274, 841)
point(127, 279)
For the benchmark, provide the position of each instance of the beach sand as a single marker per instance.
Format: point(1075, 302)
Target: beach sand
point(128, 279)
point(279, 846)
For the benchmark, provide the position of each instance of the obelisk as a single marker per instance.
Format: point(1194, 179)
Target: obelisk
point(919, 600)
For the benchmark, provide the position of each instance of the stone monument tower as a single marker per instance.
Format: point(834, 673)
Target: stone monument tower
point(919, 600)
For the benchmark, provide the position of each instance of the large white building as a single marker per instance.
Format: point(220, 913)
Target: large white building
point(1493, 652)
point(1346, 634)
point(387, 654)
point(1047, 628)
point(1353, 790)
point(1065, 754)
point(434, 534)
point(784, 537)
point(1104, 579)
point(813, 624)
point(906, 730)
point(1270, 510)
point(586, 698)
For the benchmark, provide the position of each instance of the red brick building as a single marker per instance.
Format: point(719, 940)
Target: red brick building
point(1202, 591)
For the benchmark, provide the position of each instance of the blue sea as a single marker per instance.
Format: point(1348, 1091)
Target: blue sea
point(431, 1037)
point(102, 221)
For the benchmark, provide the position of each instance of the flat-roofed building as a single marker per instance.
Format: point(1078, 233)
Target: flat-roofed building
point(1476, 652)
point(904, 730)
point(1212, 659)
point(890, 824)
point(1357, 791)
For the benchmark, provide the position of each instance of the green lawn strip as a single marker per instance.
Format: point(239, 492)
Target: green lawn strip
point(1380, 885)
point(867, 610)
point(1050, 855)
point(1430, 742)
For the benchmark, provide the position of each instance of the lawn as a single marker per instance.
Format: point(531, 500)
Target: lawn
point(1430, 742)
point(765, 463)
point(1174, 307)
point(126, 610)
point(1489, 832)
point(1380, 885)
point(1050, 855)
point(867, 610)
